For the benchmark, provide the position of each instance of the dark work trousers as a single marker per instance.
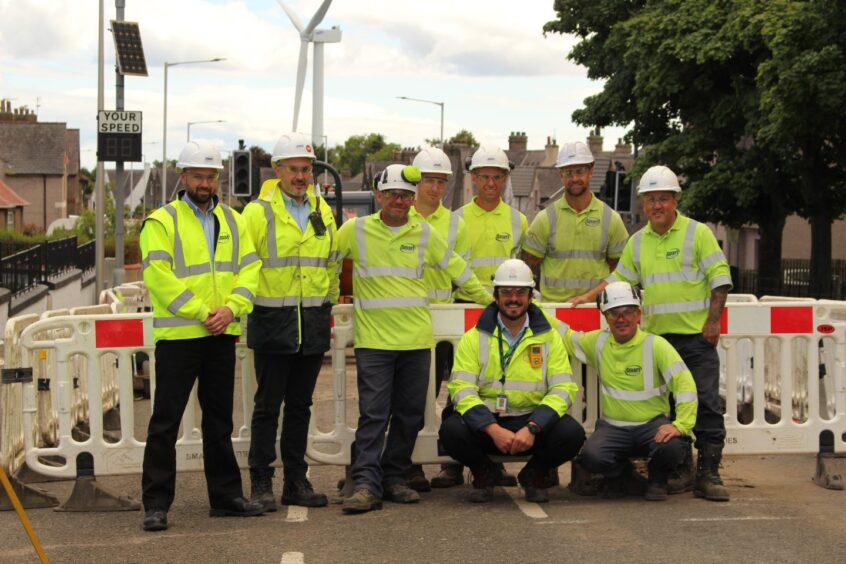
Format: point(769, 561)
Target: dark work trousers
point(289, 378)
point(392, 387)
point(444, 357)
point(609, 448)
point(703, 362)
point(179, 363)
point(554, 445)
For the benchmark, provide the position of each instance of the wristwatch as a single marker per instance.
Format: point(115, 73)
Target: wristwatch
point(534, 428)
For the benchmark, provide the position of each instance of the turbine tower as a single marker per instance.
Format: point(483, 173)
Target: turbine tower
point(309, 34)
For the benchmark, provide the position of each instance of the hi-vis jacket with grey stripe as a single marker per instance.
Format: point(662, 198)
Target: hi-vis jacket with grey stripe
point(298, 282)
point(636, 378)
point(543, 387)
point(184, 283)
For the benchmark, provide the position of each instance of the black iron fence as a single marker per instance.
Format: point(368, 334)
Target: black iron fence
point(23, 269)
point(794, 280)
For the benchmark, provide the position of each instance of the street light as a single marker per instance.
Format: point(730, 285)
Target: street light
point(441, 104)
point(190, 123)
point(164, 119)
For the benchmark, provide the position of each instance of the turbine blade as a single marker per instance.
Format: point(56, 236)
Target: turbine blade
point(301, 70)
point(292, 16)
point(317, 17)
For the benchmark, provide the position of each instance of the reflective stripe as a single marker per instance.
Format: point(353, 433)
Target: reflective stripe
point(510, 412)
point(598, 346)
point(425, 232)
point(314, 301)
point(193, 270)
point(672, 370)
point(462, 375)
point(464, 276)
point(487, 261)
point(606, 222)
point(377, 303)
point(626, 273)
point(226, 266)
point(618, 423)
point(484, 352)
point(552, 215)
point(617, 247)
point(249, 259)
point(534, 245)
point(179, 301)
point(463, 393)
point(401, 271)
point(174, 322)
point(635, 256)
point(713, 258)
point(721, 281)
point(236, 241)
point(243, 292)
point(677, 307)
point(686, 397)
point(270, 219)
point(577, 348)
point(633, 395)
point(544, 366)
point(522, 386)
point(179, 268)
point(569, 282)
point(452, 235)
point(687, 251)
point(647, 363)
point(516, 234)
point(439, 294)
point(157, 255)
point(561, 394)
point(556, 379)
point(287, 301)
point(577, 254)
point(664, 277)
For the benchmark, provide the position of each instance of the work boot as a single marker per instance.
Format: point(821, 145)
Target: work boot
point(400, 493)
point(681, 479)
point(261, 488)
point(300, 492)
point(708, 483)
point(415, 479)
point(360, 501)
point(534, 478)
point(656, 491)
point(583, 482)
point(450, 475)
point(506, 479)
point(485, 478)
point(613, 487)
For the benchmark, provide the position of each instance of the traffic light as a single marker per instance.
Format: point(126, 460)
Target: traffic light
point(242, 178)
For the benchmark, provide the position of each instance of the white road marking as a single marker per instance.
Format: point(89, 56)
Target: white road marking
point(531, 510)
point(292, 558)
point(747, 518)
point(297, 514)
point(565, 522)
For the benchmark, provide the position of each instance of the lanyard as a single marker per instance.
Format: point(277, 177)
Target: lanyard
point(505, 357)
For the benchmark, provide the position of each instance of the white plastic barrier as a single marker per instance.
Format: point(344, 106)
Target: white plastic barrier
point(12, 442)
point(132, 297)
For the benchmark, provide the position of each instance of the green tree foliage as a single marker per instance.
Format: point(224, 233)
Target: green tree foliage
point(718, 91)
point(464, 136)
point(351, 156)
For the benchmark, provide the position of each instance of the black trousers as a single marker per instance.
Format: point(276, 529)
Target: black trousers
point(290, 378)
point(179, 363)
point(554, 445)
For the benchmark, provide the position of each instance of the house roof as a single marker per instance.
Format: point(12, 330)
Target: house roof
point(39, 148)
point(522, 179)
point(9, 198)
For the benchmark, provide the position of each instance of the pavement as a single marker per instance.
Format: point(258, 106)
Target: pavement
point(776, 514)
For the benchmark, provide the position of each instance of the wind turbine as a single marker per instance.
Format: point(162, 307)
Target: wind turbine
point(309, 34)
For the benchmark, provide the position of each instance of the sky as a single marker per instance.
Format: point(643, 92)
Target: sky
point(488, 62)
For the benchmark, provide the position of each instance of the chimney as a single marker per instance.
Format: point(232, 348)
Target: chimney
point(518, 141)
point(622, 149)
point(550, 152)
point(594, 142)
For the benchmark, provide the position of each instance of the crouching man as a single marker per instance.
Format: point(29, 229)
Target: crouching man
point(511, 386)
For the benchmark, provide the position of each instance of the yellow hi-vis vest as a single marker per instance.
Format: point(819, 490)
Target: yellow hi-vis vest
point(575, 247)
point(538, 379)
point(495, 236)
point(677, 271)
point(390, 297)
point(298, 281)
point(451, 227)
point(184, 283)
point(637, 377)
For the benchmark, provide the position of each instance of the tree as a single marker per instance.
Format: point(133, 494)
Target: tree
point(464, 136)
point(351, 156)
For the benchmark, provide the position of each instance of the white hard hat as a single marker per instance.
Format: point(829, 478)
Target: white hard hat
point(489, 155)
point(292, 146)
point(658, 179)
point(576, 153)
point(398, 177)
point(199, 154)
point(617, 294)
point(432, 159)
point(514, 272)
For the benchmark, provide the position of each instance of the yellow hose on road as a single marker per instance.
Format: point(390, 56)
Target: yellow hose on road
point(33, 537)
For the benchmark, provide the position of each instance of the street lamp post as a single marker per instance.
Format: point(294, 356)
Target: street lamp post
point(164, 119)
point(441, 104)
point(190, 123)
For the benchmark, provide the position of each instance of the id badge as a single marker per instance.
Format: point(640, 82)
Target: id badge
point(501, 403)
point(536, 356)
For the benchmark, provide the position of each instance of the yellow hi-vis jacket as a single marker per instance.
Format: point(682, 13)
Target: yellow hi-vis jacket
point(538, 380)
point(390, 297)
point(451, 227)
point(298, 282)
point(495, 236)
point(677, 271)
point(184, 283)
point(575, 247)
point(636, 378)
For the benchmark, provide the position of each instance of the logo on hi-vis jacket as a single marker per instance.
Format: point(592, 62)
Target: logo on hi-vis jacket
point(591, 222)
point(223, 237)
point(503, 236)
point(673, 253)
point(406, 248)
point(632, 370)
